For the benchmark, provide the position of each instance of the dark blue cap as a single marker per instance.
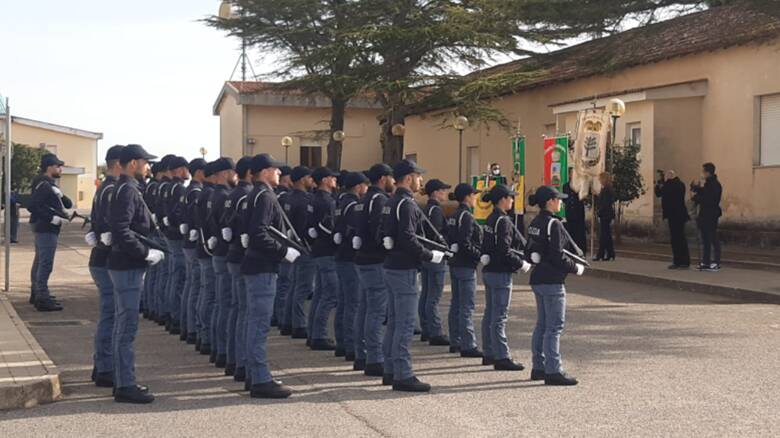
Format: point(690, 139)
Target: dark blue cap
point(264, 161)
point(299, 172)
point(286, 170)
point(435, 184)
point(165, 162)
point(354, 178)
point(134, 152)
point(321, 173)
point(113, 152)
point(340, 180)
point(177, 162)
point(197, 164)
point(462, 190)
point(50, 160)
point(544, 194)
point(379, 170)
point(406, 167)
point(498, 192)
point(219, 165)
point(243, 166)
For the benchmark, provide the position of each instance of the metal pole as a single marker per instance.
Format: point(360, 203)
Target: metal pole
point(286, 150)
point(612, 145)
point(243, 60)
point(593, 226)
point(460, 156)
point(7, 175)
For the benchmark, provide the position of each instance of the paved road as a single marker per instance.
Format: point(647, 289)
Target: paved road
point(652, 362)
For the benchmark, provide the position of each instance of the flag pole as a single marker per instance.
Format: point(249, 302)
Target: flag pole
point(7, 178)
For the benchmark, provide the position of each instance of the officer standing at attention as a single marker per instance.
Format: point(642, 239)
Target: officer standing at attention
point(297, 206)
point(149, 193)
point(99, 238)
point(129, 219)
point(326, 291)
point(503, 248)
point(158, 212)
point(260, 266)
point(285, 270)
point(355, 186)
point(177, 266)
point(49, 209)
point(466, 237)
point(548, 239)
point(232, 228)
point(432, 274)
point(401, 224)
point(371, 355)
point(206, 296)
point(188, 229)
point(224, 181)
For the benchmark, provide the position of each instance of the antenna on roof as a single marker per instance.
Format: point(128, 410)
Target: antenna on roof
point(228, 11)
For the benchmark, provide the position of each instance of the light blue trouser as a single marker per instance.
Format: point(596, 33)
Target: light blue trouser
point(260, 289)
point(375, 295)
point(45, 248)
point(305, 270)
point(402, 285)
point(177, 267)
point(283, 283)
point(286, 276)
point(328, 293)
point(104, 333)
point(349, 291)
point(551, 315)
point(223, 287)
point(466, 279)
point(499, 287)
point(433, 274)
point(236, 323)
point(206, 300)
point(192, 290)
point(127, 298)
point(453, 317)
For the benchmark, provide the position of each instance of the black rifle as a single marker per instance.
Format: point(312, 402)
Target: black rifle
point(286, 240)
point(151, 243)
point(70, 218)
point(436, 246)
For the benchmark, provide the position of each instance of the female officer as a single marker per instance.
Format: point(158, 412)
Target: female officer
point(433, 273)
point(501, 256)
point(547, 241)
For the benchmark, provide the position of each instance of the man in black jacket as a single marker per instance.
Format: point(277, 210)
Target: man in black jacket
point(206, 297)
point(131, 225)
point(297, 206)
point(708, 197)
point(189, 312)
point(49, 209)
point(672, 194)
point(173, 215)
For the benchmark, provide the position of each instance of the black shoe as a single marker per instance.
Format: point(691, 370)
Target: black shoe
point(197, 343)
point(375, 369)
point(474, 352)
point(271, 389)
point(248, 383)
point(48, 306)
point(205, 349)
point(423, 337)
point(559, 379)
point(183, 334)
point(175, 328)
point(240, 374)
point(274, 322)
point(441, 340)
point(537, 374)
point(488, 361)
point(299, 333)
point(702, 267)
point(417, 331)
point(230, 369)
point(359, 365)
point(454, 349)
point(340, 352)
point(104, 380)
point(32, 299)
point(387, 379)
point(192, 338)
point(220, 360)
point(286, 330)
point(168, 325)
point(308, 342)
point(323, 345)
point(132, 394)
point(412, 384)
point(94, 373)
point(213, 355)
point(142, 388)
point(163, 320)
point(349, 356)
point(508, 365)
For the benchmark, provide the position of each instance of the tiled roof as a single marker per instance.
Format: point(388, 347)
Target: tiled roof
point(251, 87)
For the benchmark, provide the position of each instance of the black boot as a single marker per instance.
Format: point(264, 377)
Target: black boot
point(412, 384)
point(340, 352)
point(349, 356)
point(270, 389)
point(220, 360)
point(240, 374)
point(359, 365)
point(387, 379)
point(205, 349)
point(374, 369)
point(508, 365)
point(559, 379)
point(230, 369)
point(132, 394)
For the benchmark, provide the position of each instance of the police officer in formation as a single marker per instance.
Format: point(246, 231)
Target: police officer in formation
point(188, 229)
point(172, 211)
point(298, 208)
point(284, 281)
point(432, 274)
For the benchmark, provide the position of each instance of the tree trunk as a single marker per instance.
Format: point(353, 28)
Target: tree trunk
point(392, 146)
point(338, 108)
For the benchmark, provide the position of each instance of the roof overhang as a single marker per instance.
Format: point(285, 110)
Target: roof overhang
point(681, 90)
point(56, 128)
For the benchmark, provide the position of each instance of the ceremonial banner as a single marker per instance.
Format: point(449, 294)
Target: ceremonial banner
point(590, 150)
point(556, 163)
point(484, 183)
point(518, 173)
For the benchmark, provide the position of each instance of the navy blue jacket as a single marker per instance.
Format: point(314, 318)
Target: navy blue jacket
point(402, 220)
point(215, 211)
point(202, 219)
point(128, 213)
point(368, 224)
point(464, 231)
point(547, 236)
point(189, 210)
point(100, 221)
point(346, 225)
point(173, 209)
point(43, 204)
point(323, 220)
point(501, 236)
point(298, 207)
point(261, 211)
point(233, 219)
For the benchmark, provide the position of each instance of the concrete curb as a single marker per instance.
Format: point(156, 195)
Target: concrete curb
point(748, 295)
point(29, 390)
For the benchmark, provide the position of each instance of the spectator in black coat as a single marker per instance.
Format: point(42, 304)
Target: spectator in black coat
point(672, 193)
point(707, 198)
point(605, 208)
point(575, 217)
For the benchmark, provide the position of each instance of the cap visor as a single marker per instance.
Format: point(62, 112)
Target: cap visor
point(562, 196)
point(272, 162)
point(149, 156)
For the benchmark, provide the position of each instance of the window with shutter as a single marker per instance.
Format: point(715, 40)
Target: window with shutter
point(770, 130)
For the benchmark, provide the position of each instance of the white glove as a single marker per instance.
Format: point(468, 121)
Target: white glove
point(484, 259)
point(291, 255)
point(57, 221)
point(338, 238)
point(526, 267)
point(154, 218)
point(107, 238)
point(357, 243)
point(91, 238)
point(454, 247)
point(227, 234)
point(580, 269)
point(536, 258)
point(313, 233)
point(57, 191)
point(438, 257)
point(212, 242)
point(388, 243)
point(166, 221)
point(155, 256)
point(193, 235)
point(245, 240)
point(184, 229)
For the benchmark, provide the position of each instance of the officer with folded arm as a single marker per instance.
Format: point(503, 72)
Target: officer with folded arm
point(188, 229)
point(130, 220)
